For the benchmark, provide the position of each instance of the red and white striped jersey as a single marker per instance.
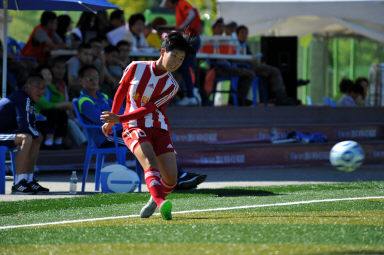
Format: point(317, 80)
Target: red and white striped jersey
point(140, 85)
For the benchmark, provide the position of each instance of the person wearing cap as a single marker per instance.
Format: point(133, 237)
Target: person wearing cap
point(187, 21)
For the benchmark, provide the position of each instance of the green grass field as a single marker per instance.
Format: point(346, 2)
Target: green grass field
point(251, 220)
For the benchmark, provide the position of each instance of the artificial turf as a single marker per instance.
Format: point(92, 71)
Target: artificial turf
point(342, 227)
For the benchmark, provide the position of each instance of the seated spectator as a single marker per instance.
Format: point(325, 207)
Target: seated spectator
point(135, 33)
point(53, 106)
point(18, 129)
point(124, 49)
point(84, 30)
point(84, 57)
point(365, 84)
point(270, 74)
point(64, 26)
point(352, 93)
point(224, 69)
point(152, 32)
point(230, 29)
point(58, 68)
point(43, 39)
point(112, 63)
point(91, 105)
point(116, 20)
point(112, 71)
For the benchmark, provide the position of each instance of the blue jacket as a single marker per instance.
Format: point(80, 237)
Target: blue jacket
point(91, 108)
point(17, 114)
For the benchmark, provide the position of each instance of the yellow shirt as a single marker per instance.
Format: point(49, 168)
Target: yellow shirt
point(154, 40)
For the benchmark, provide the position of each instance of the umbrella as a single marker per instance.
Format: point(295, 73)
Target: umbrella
point(48, 5)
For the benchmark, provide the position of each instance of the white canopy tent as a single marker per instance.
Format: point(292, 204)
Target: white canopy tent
point(303, 17)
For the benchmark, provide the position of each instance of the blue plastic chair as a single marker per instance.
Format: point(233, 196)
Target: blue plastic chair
point(3, 151)
point(329, 101)
point(258, 86)
point(92, 149)
point(232, 90)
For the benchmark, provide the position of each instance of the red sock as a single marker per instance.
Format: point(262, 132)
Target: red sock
point(167, 188)
point(152, 179)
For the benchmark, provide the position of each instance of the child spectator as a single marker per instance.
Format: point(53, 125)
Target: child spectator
point(84, 57)
point(54, 107)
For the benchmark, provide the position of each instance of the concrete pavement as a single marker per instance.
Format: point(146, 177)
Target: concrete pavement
point(58, 181)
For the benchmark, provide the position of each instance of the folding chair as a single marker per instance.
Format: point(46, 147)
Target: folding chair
point(92, 149)
point(3, 151)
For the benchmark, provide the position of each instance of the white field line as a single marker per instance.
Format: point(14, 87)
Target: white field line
point(192, 211)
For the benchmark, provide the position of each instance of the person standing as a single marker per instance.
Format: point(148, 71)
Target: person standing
point(187, 21)
point(147, 87)
point(18, 129)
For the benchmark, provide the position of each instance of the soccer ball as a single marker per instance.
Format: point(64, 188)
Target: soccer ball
point(117, 178)
point(346, 156)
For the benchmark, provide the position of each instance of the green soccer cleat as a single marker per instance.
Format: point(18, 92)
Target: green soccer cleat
point(166, 210)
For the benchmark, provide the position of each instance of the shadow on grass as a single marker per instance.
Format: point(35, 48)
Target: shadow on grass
point(229, 192)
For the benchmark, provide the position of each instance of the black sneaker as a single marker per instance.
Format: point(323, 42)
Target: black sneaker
point(36, 187)
point(22, 188)
point(190, 181)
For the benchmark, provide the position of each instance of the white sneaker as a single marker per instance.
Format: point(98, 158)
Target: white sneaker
point(196, 94)
point(188, 101)
point(148, 209)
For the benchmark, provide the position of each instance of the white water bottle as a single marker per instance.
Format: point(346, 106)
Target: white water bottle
point(73, 183)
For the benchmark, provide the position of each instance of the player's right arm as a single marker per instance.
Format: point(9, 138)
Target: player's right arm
point(121, 92)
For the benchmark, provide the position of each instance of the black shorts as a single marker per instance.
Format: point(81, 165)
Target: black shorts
point(7, 140)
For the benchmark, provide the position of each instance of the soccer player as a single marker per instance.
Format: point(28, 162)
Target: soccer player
point(148, 86)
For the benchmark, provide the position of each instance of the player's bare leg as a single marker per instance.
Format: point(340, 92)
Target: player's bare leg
point(146, 156)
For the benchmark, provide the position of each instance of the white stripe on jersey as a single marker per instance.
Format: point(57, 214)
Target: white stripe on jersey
point(153, 81)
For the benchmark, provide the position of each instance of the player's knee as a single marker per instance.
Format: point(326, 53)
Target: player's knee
point(23, 139)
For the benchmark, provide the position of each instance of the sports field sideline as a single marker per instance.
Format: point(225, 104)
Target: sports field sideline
point(251, 211)
point(58, 181)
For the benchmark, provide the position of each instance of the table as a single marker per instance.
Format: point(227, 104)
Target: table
point(143, 54)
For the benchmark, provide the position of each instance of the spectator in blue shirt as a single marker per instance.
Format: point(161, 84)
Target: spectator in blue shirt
point(18, 129)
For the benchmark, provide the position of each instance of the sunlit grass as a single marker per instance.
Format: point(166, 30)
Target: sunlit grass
point(342, 227)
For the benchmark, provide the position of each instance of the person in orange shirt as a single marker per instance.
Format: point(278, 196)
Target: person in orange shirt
point(188, 21)
point(43, 39)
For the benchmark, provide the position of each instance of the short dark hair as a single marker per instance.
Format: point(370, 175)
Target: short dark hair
point(241, 27)
point(217, 21)
point(86, 68)
point(116, 14)
point(357, 88)
point(111, 48)
point(177, 41)
point(134, 18)
point(359, 80)
point(84, 46)
point(58, 59)
point(34, 77)
point(345, 85)
point(47, 17)
point(122, 43)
